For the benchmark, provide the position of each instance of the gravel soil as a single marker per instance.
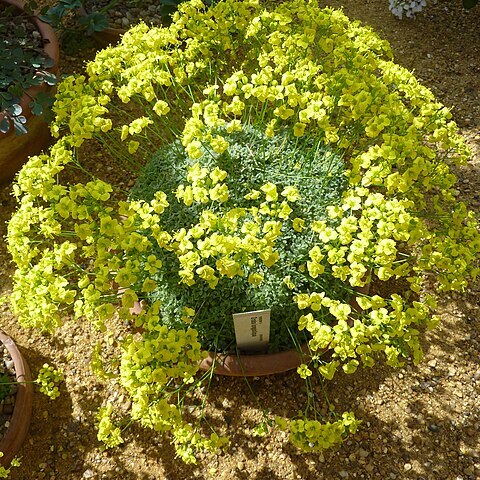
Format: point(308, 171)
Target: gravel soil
point(420, 422)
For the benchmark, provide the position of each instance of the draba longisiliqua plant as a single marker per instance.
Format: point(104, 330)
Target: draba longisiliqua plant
point(283, 161)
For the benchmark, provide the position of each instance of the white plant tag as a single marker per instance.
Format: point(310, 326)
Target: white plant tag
point(252, 330)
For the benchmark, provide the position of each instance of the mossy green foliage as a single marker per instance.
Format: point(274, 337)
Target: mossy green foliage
point(251, 160)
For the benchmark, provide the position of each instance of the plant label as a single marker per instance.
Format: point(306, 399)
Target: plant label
point(252, 330)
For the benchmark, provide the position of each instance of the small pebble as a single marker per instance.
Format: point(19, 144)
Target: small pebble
point(363, 453)
point(469, 470)
point(470, 452)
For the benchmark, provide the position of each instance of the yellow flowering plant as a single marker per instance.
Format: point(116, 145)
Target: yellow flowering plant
point(234, 119)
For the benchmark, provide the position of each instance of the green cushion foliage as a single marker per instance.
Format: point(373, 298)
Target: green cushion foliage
point(251, 160)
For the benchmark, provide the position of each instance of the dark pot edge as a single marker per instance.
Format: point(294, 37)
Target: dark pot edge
point(21, 417)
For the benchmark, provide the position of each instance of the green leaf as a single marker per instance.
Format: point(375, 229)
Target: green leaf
point(20, 32)
point(72, 4)
point(94, 22)
point(5, 382)
point(54, 15)
point(41, 104)
point(20, 119)
point(48, 62)
point(14, 110)
point(49, 78)
point(37, 61)
point(4, 125)
point(351, 366)
point(469, 3)
point(19, 127)
point(17, 54)
point(36, 108)
point(30, 6)
point(37, 80)
point(328, 370)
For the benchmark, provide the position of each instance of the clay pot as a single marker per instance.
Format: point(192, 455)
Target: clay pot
point(22, 412)
point(15, 149)
point(255, 365)
point(109, 36)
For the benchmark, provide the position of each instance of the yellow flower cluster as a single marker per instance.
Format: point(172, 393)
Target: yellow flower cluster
point(313, 436)
point(108, 432)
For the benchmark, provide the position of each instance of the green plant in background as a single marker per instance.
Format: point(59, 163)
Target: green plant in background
point(72, 19)
point(58, 14)
point(66, 16)
point(225, 119)
point(23, 64)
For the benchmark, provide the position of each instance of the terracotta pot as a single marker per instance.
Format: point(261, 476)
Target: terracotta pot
point(109, 36)
point(22, 412)
point(15, 149)
point(256, 365)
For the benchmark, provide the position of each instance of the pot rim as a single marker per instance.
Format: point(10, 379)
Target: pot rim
point(255, 365)
point(17, 432)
